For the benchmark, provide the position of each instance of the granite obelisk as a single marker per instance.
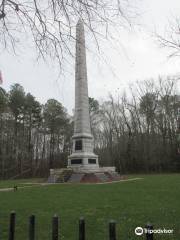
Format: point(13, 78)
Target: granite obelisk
point(83, 165)
point(82, 158)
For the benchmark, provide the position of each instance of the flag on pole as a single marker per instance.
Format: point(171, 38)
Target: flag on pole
point(1, 79)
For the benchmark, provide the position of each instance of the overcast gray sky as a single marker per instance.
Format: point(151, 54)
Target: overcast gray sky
point(135, 56)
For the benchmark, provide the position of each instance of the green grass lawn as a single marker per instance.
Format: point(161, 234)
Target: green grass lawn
point(155, 199)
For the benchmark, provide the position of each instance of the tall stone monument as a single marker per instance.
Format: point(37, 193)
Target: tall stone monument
point(82, 158)
point(83, 165)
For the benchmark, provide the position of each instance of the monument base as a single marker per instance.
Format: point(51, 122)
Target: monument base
point(83, 162)
point(68, 175)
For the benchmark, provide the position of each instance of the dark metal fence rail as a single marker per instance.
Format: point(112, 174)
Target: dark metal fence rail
point(55, 228)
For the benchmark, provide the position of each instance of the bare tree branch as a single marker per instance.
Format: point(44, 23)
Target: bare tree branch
point(51, 24)
point(171, 38)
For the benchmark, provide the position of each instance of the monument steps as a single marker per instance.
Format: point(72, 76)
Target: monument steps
point(103, 177)
point(76, 177)
point(64, 176)
point(67, 175)
point(113, 176)
point(90, 178)
point(52, 179)
point(61, 176)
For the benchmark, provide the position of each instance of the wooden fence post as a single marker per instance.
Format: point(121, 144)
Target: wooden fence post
point(81, 229)
point(32, 227)
point(112, 230)
point(149, 236)
point(12, 225)
point(55, 226)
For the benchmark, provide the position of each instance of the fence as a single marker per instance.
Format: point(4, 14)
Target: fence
point(55, 228)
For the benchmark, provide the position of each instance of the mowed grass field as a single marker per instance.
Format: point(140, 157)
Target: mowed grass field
point(155, 199)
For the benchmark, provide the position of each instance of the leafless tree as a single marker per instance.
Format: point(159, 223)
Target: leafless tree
point(49, 24)
point(171, 38)
point(139, 132)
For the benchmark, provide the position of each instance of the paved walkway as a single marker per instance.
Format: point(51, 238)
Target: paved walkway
point(46, 184)
point(122, 180)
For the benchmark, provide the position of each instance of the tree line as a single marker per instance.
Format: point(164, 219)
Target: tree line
point(136, 132)
point(32, 136)
point(141, 132)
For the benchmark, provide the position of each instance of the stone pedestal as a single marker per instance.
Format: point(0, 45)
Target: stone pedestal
point(82, 157)
point(83, 175)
